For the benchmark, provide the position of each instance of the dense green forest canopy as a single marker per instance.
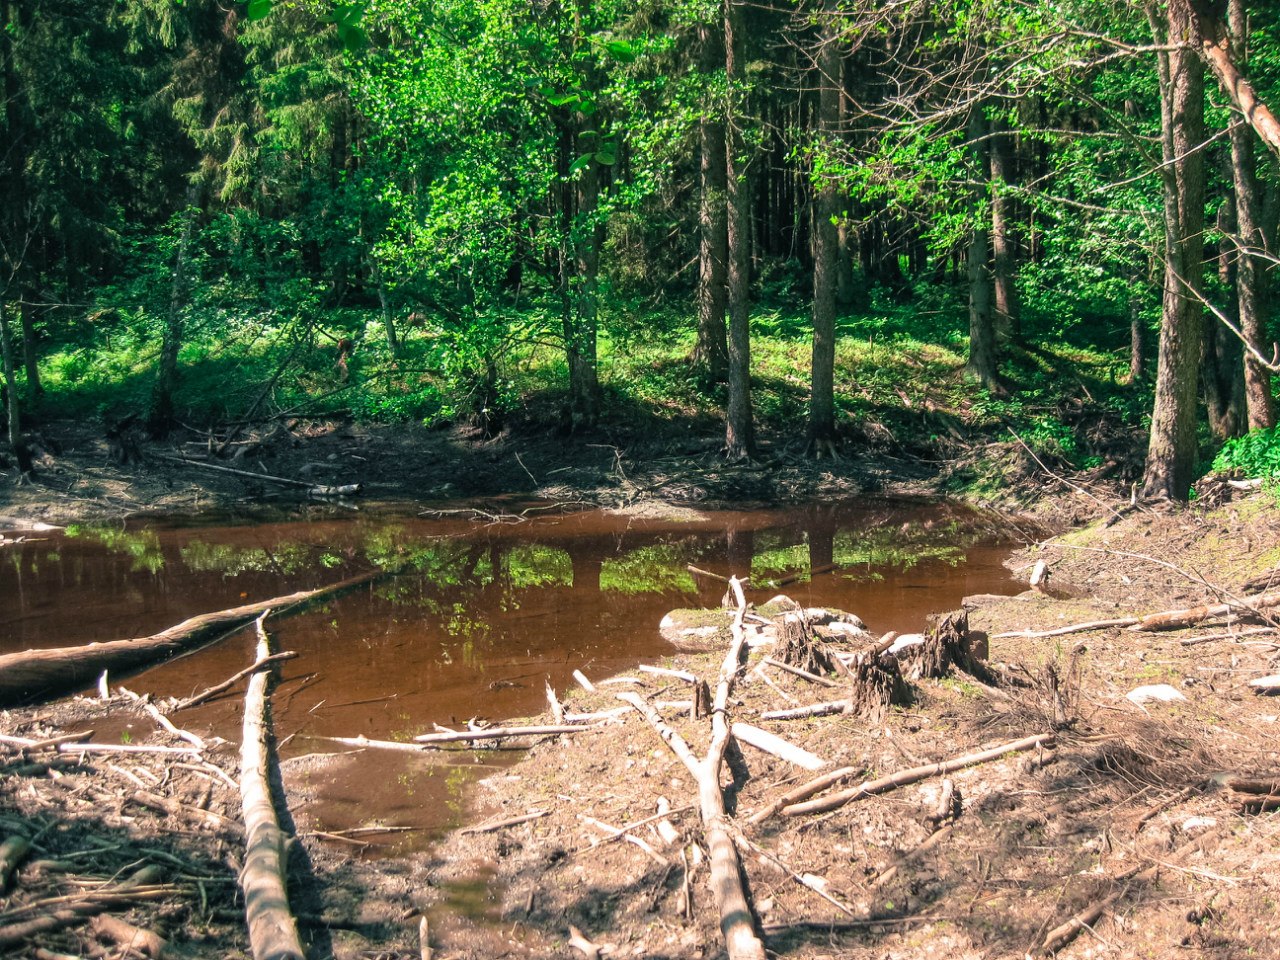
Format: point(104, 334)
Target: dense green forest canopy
point(780, 212)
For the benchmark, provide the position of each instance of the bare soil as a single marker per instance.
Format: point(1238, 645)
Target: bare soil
point(77, 479)
point(1128, 809)
point(1041, 836)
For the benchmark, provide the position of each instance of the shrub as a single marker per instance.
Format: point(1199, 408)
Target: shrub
point(1256, 454)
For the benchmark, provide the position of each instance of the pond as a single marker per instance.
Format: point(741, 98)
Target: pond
point(482, 610)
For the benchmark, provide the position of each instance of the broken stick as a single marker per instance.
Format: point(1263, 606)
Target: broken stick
point(501, 733)
point(231, 681)
point(791, 805)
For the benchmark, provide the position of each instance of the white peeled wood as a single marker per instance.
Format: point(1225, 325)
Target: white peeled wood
point(771, 743)
point(273, 934)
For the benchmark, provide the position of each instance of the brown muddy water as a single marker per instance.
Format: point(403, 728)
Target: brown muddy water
point(474, 620)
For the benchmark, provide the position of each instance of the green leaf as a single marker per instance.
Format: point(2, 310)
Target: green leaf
point(563, 99)
point(620, 50)
point(258, 9)
point(581, 163)
point(608, 156)
point(353, 37)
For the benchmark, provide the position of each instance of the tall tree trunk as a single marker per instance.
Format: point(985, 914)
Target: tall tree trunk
point(982, 363)
point(160, 418)
point(1171, 454)
point(1137, 341)
point(17, 233)
point(1003, 243)
point(584, 384)
point(826, 249)
point(1251, 274)
point(17, 442)
point(388, 320)
point(846, 291)
point(711, 353)
point(563, 202)
point(30, 353)
point(739, 440)
point(1222, 369)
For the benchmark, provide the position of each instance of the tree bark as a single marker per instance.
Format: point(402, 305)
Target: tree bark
point(982, 363)
point(1251, 272)
point(1171, 454)
point(18, 443)
point(1223, 368)
point(739, 439)
point(1200, 20)
point(1003, 243)
point(30, 353)
point(826, 248)
point(273, 933)
point(1137, 341)
point(711, 353)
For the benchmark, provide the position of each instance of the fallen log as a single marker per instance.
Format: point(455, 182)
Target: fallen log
point(12, 851)
point(273, 933)
point(805, 674)
point(1072, 628)
point(1255, 795)
point(138, 886)
point(1228, 635)
point(33, 675)
point(773, 744)
point(127, 937)
point(813, 710)
point(501, 733)
point(790, 804)
point(737, 925)
point(26, 746)
point(344, 490)
point(1174, 619)
point(504, 823)
point(1270, 685)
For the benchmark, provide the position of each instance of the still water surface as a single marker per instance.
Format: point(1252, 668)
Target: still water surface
point(476, 617)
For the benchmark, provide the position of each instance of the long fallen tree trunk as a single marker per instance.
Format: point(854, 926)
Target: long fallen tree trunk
point(736, 919)
point(319, 490)
point(273, 933)
point(33, 675)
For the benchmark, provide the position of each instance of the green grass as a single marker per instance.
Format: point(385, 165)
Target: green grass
point(899, 374)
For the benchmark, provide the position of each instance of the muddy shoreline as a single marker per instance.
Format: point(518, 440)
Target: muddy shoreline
point(401, 464)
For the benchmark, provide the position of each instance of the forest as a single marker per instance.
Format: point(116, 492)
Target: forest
point(802, 217)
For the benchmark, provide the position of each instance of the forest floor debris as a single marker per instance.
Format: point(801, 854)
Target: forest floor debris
point(1128, 830)
point(659, 471)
